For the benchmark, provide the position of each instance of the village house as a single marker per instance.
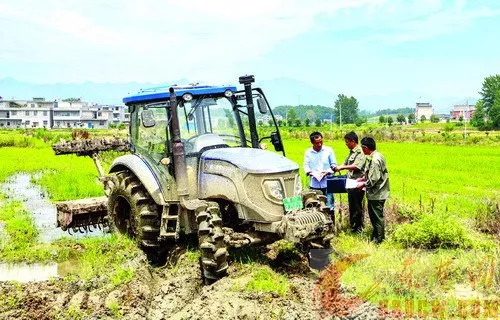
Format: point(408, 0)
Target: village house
point(70, 113)
point(423, 109)
point(466, 111)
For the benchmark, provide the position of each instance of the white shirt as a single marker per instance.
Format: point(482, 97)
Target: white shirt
point(322, 160)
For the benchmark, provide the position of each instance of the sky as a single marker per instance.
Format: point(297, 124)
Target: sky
point(425, 49)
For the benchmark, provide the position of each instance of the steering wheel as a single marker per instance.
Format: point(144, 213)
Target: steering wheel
point(233, 136)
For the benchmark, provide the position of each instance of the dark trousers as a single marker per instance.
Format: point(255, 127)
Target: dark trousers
point(376, 213)
point(355, 198)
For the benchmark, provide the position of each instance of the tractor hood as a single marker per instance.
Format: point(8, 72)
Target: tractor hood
point(252, 160)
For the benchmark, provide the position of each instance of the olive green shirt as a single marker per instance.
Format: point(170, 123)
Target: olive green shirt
point(377, 178)
point(356, 157)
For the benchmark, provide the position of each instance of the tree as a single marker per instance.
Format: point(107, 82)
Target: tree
point(390, 120)
point(434, 118)
point(307, 122)
point(490, 92)
point(360, 121)
point(491, 100)
point(349, 108)
point(411, 118)
point(291, 116)
point(401, 118)
point(298, 123)
point(260, 123)
point(423, 118)
point(494, 115)
point(461, 119)
point(381, 119)
point(229, 117)
point(270, 123)
point(317, 122)
point(280, 123)
point(477, 119)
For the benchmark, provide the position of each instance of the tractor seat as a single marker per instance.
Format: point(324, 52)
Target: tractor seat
point(204, 141)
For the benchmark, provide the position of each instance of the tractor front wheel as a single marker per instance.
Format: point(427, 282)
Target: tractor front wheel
point(211, 241)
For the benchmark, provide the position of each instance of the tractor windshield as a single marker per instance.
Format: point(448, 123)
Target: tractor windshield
point(207, 122)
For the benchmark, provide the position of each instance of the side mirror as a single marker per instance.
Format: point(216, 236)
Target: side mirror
point(148, 119)
point(275, 140)
point(261, 103)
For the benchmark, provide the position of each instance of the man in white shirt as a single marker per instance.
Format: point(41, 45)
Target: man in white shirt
point(319, 162)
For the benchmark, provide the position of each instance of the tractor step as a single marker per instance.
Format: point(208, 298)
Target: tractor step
point(170, 224)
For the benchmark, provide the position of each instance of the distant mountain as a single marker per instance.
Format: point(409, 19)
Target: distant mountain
point(286, 91)
point(105, 93)
point(279, 91)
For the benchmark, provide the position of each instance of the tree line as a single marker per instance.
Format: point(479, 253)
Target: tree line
point(487, 114)
point(346, 110)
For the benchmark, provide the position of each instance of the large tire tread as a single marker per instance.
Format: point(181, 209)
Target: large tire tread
point(211, 241)
point(144, 215)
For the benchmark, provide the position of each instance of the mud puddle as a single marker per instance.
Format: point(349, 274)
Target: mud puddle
point(35, 272)
point(36, 201)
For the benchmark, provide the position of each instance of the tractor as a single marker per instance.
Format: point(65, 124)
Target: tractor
point(197, 165)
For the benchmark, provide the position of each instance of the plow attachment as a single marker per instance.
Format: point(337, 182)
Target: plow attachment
point(82, 215)
point(88, 147)
point(85, 215)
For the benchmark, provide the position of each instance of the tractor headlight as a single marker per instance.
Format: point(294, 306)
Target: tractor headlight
point(298, 186)
point(187, 96)
point(274, 189)
point(228, 93)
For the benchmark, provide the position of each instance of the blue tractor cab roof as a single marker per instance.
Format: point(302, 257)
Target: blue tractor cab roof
point(162, 93)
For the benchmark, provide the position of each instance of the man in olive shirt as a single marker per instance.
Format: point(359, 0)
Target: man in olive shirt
point(376, 181)
point(355, 164)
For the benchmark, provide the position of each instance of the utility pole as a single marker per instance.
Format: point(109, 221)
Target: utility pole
point(465, 118)
point(340, 113)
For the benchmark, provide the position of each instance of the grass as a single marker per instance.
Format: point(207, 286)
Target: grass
point(104, 257)
point(262, 279)
point(457, 179)
point(69, 177)
point(19, 241)
point(435, 186)
point(114, 308)
point(12, 299)
point(392, 273)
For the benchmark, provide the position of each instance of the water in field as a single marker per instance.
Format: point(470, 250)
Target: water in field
point(23, 272)
point(36, 201)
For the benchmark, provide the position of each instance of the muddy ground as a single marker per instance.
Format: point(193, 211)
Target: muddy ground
point(177, 292)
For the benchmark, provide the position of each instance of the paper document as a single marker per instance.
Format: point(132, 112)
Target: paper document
point(319, 175)
point(350, 184)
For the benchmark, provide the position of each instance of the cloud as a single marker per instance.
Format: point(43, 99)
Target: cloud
point(427, 20)
point(197, 37)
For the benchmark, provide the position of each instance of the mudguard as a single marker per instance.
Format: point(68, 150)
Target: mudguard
point(135, 164)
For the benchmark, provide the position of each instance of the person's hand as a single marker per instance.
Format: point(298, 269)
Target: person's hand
point(360, 179)
point(360, 185)
point(336, 169)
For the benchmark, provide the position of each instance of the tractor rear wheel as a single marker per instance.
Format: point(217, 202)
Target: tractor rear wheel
point(211, 241)
point(132, 211)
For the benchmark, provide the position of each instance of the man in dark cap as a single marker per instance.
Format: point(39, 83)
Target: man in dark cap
point(376, 181)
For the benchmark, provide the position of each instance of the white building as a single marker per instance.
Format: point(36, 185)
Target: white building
point(34, 113)
point(423, 109)
point(74, 113)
